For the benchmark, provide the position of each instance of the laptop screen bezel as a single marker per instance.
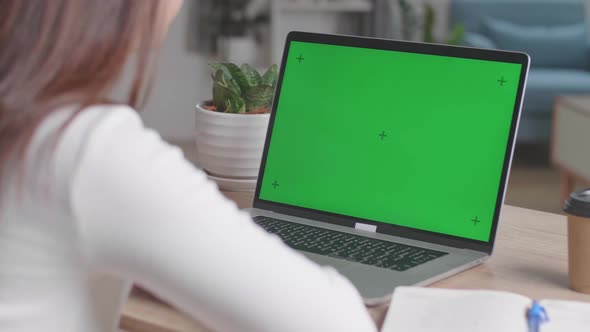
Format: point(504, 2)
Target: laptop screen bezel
point(410, 47)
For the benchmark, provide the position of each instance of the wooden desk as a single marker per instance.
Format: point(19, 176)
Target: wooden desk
point(530, 259)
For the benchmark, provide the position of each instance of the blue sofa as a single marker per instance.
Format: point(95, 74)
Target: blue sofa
point(553, 33)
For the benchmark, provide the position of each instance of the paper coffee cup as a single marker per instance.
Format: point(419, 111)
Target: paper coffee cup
point(577, 206)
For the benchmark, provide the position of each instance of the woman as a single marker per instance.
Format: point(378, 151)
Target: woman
point(91, 200)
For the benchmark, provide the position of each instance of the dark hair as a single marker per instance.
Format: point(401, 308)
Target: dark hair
point(68, 52)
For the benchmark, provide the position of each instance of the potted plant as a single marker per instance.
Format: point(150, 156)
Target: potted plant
point(420, 28)
point(231, 128)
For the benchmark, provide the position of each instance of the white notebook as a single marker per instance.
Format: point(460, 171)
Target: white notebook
point(428, 309)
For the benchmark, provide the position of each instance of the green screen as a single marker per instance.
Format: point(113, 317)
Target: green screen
point(407, 139)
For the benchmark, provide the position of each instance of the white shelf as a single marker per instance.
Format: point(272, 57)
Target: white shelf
point(357, 6)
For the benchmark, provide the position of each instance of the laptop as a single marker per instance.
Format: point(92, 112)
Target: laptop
point(388, 160)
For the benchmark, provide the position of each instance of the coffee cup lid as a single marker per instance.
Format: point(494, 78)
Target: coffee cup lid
point(578, 204)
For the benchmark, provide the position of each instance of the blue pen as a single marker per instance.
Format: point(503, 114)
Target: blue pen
point(536, 316)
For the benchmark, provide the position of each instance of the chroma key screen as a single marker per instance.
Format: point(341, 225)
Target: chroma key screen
point(407, 139)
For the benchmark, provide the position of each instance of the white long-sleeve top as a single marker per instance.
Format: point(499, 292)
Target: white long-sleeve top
point(112, 203)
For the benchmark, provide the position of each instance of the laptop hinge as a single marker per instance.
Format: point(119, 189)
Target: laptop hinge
point(366, 227)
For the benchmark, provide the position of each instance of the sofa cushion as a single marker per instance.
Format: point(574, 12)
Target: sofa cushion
point(545, 84)
point(563, 46)
point(471, 13)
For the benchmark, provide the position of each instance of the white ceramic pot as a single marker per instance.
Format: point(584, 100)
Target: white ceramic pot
point(230, 145)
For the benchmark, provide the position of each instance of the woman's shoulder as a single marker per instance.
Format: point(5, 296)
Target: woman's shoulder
point(65, 137)
point(71, 122)
point(71, 129)
point(90, 119)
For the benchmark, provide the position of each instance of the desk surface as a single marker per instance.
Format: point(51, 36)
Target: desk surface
point(530, 258)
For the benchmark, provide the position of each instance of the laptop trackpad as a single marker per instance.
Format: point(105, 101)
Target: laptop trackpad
point(370, 281)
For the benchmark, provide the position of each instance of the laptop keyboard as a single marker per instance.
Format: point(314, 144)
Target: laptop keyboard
point(355, 248)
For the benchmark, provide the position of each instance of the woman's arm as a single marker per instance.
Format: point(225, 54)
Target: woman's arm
point(146, 213)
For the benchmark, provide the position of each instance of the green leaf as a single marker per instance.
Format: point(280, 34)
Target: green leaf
point(271, 76)
point(227, 100)
point(259, 97)
point(233, 72)
point(236, 105)
point(252, 75)
point(223, 76)
point(219, 96)
point(239, 76)
point(220, 66)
